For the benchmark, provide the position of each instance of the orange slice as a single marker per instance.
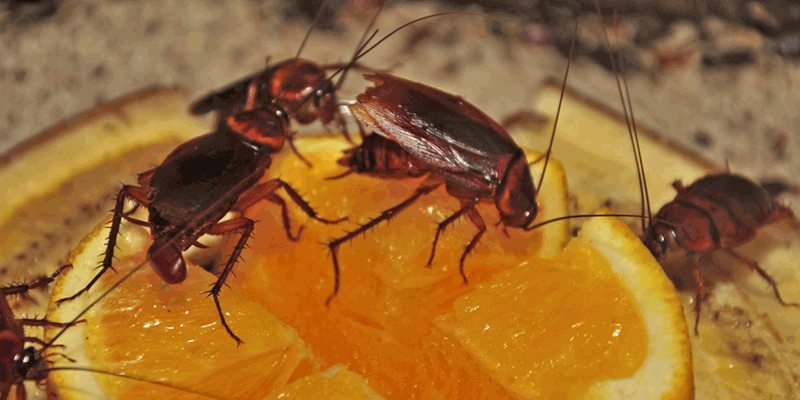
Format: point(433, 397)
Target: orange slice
point(407, 330)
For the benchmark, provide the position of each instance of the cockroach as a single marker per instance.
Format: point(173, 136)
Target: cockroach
point(716, 212)
point(287, 83)
point(290, 84)
point(17, 362)
point(420, 130)
point(381, 158)
point(201, 181)
point(215, 173)
point(428, 131)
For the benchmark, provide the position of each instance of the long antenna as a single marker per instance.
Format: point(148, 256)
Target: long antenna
point(137, 378)
point(631, 129)
point(558, 110)
point(566, 217)
point(360, 42)
point(302, 45)
point(365, 52)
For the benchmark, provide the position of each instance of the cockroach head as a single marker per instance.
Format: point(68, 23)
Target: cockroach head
point(263, 127)
point(516, 195)
point(659, 238)
point(28, 364)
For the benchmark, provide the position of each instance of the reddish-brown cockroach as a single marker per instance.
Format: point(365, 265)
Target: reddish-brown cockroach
point(203, 179)
point(17, 362)
point(288, 83)
point(198, 183)
point(428, 131)
point(420, 130)
point(382, 158)
point(716, 212)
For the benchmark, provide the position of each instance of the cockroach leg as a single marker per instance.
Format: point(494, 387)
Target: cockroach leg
point(767, 277)
point(44, 322)
point(127, 192)
point(23, 288)
point(245, 226)
point(430, 184)
point(275, 199)
point(469, 209)
point(290, 139)
point(698, 278)
point(476, 219)
point(263, 190)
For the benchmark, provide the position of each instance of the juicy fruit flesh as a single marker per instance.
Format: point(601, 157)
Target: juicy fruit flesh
point(392, 321)
point(179, 331)
point(542, 340)
point(381, 324)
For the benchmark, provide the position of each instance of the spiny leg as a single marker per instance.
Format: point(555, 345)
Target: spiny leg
point(465, 207)
point(698, 278)
point(290, 139)
point(245, 225)
point(386, 215)
point(24, 288)
point(476, 219)
point(44, 322)
point(135, 193)
point(754, 265)
point(274, 198)
point(263, 190)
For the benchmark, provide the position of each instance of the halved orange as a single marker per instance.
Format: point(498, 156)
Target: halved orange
point(410, 332)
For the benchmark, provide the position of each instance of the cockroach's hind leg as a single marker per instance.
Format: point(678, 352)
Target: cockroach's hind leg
point(767, 277)
point(245, 226)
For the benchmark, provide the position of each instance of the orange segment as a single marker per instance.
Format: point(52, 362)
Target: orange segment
point(542, 340)
point(335, 383)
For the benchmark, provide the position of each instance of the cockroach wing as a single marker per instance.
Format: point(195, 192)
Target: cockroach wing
point(145, 177)
point(215, 172)
point(442, 130)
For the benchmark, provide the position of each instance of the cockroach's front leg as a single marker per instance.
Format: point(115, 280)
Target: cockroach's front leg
point(290, 139)
point(467, 208)
point(134, 193)
point(754, 265)
point(245, 226)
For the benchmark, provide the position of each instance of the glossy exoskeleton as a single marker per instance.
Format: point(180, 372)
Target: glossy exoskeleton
point(716, 212)
point(382, 158)
point(201, 181)
point(19, 363)
point(288, 83)
point(451, 140)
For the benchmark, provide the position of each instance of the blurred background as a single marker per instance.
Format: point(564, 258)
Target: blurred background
point(717, 77)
